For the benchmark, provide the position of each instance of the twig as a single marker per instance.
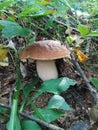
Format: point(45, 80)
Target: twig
point(51, 126)
point(5, 106)
point(11, 94)
point(48, 125)
point(87, 82)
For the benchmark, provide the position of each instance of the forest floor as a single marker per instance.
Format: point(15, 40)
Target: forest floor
point(78, 96)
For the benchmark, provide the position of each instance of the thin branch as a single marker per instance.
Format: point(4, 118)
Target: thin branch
point(48, 125)
point(5, 106)
point(87, 82)
point(51, 126)
point(11, 94)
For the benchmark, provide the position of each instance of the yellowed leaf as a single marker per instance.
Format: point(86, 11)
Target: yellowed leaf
point(3, 52)
point(80, 55)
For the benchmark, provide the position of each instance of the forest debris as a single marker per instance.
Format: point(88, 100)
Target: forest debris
point(80, 126)
point(48, 125)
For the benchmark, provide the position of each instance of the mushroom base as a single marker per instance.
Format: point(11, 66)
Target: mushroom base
point(46, 70)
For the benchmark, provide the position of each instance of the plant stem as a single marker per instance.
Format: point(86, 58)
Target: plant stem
point(48, 125)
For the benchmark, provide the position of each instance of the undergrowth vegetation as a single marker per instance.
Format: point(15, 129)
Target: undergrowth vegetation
point(24, 21)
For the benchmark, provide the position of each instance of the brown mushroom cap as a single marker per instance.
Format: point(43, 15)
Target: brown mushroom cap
point(45, 50)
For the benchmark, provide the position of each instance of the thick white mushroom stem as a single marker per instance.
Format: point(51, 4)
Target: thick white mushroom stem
point(46, 69)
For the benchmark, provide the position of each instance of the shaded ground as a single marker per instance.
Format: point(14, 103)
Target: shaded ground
point(78, 97)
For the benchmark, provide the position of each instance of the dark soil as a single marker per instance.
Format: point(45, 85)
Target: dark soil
point(78, 96)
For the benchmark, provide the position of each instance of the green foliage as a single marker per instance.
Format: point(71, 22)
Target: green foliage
point(93, 33)
point(55, 86)
point(30, 125)
point(12, 29)
point(14, 122)
point(49, 23)
point(58, 102)
point(84, 30)
point(28, 11)
point(95, 82)
point(29, 87)
point(6, 3)
point(54, 109)
point(3, 113)
point(50, 114)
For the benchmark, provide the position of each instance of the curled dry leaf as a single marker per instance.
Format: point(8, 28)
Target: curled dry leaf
point(80, 55)
point(3, 52)
point(3, 55)
point(11, 45)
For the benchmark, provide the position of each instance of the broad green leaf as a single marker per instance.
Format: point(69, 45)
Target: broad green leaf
point(12, 29)
point(95, 82)
point(14, 122)
point(30, 125)
point(58, 102)
point(55, 86)
point(83, 29)
point(50, 114)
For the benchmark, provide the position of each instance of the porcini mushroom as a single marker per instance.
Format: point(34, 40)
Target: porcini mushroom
point(45, 53)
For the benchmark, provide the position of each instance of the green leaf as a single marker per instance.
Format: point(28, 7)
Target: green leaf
point(43, 13)
point(58, 102)
point(93, 33)
point(28, 11)
point(55, 86)
point(30, 125)
point(95, 82)
point(26, 91)
point(30, 87)
point(14, 122)
point(83, 29)
point(5, 3)
point(49, 23)
point(32, 40)
point(50, 114)
point(12, 29)
point(96, 22)
point(3, 113)
point(2, 110)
